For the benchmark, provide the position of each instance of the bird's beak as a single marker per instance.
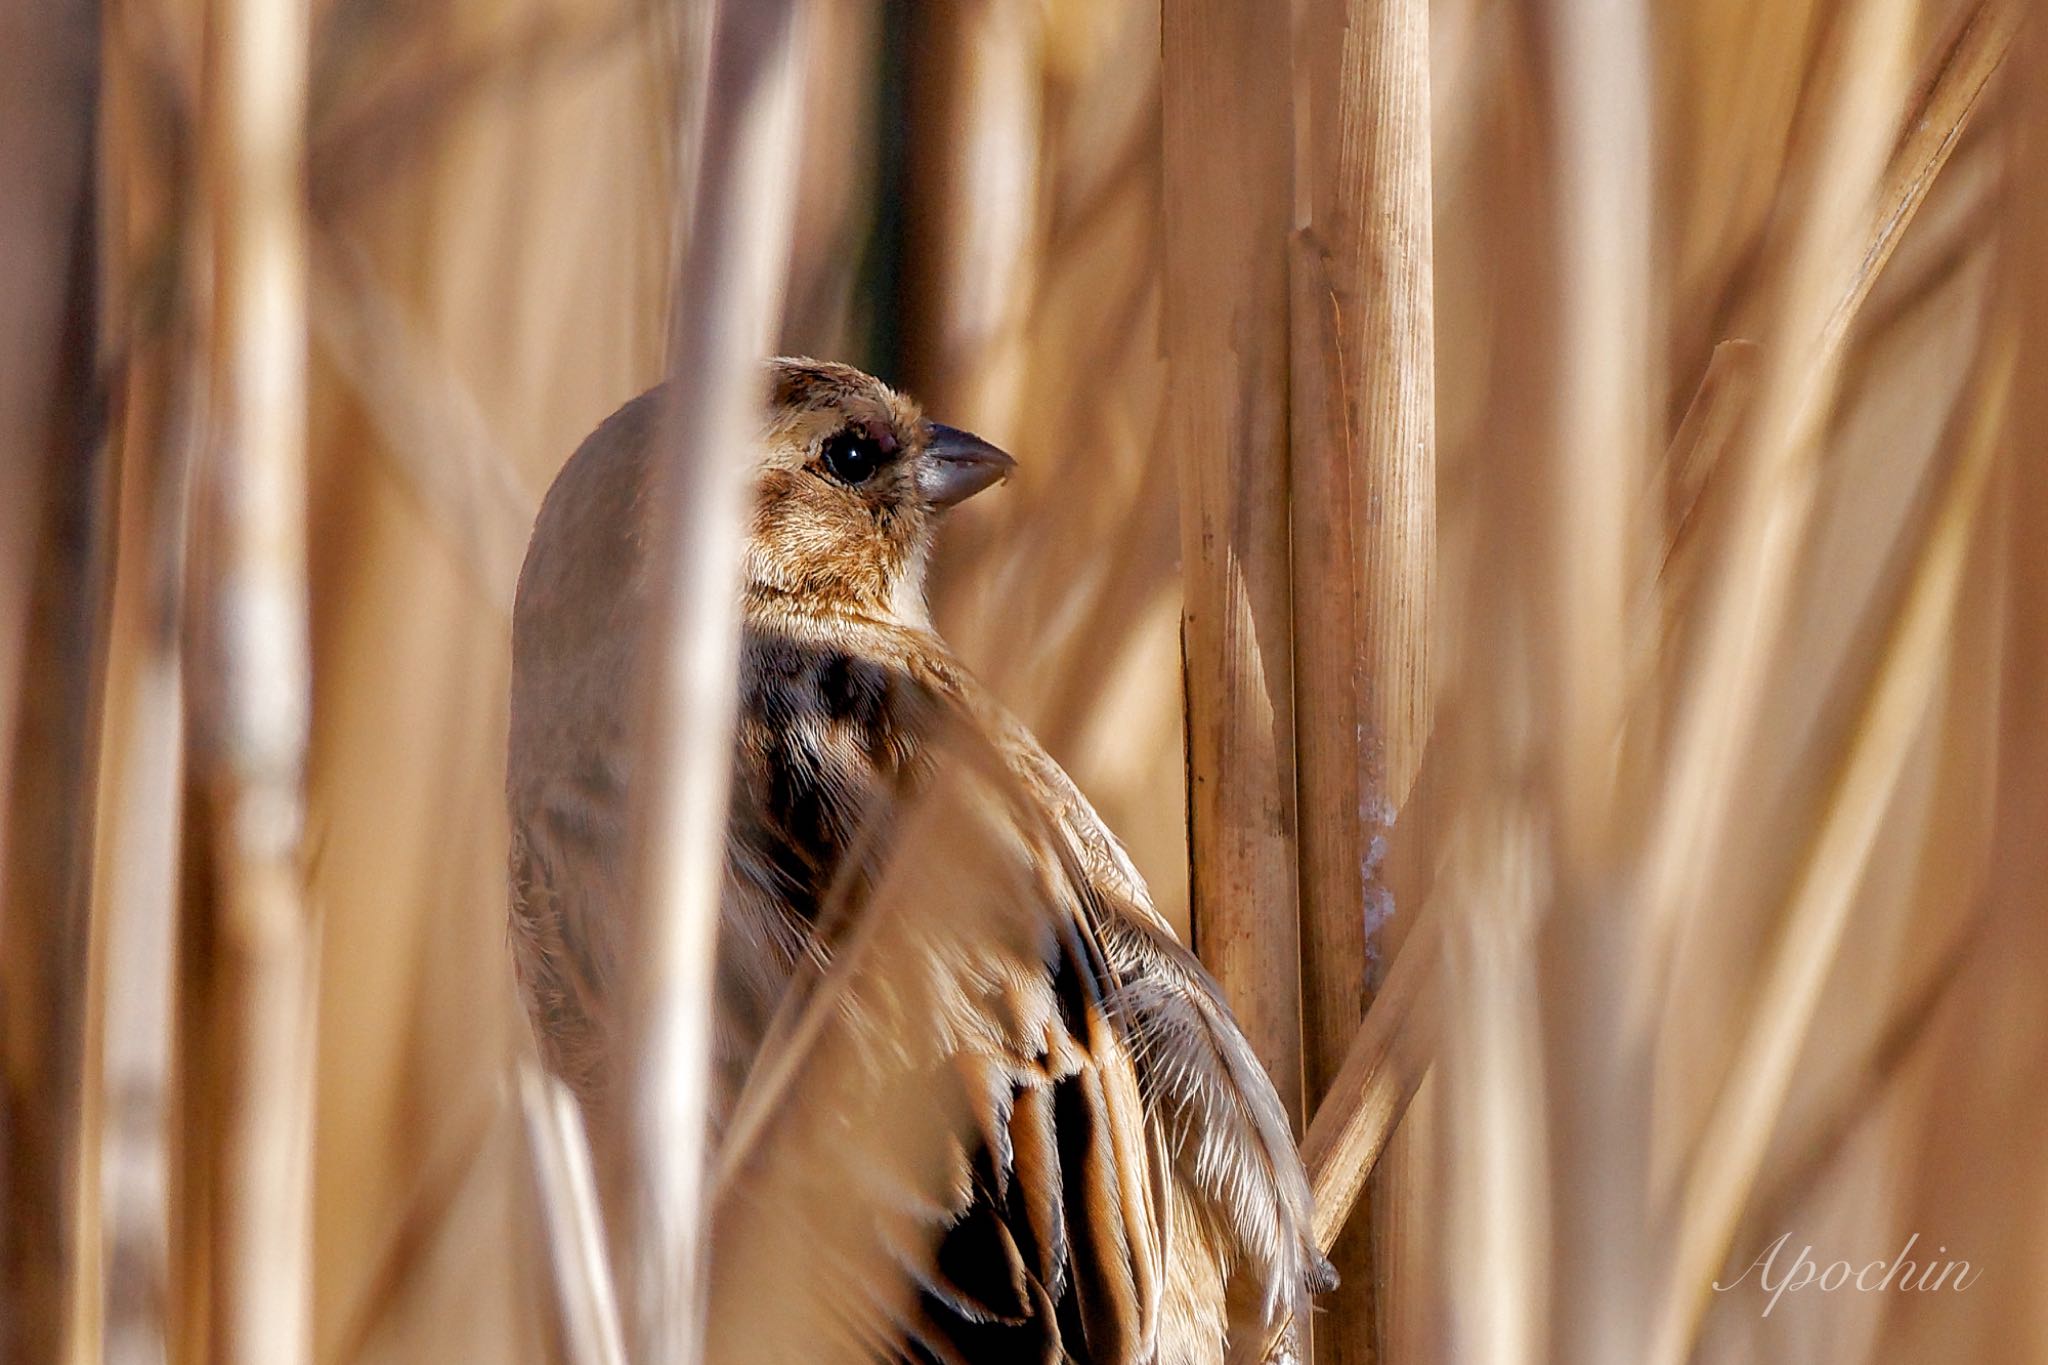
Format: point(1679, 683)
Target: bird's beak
point(958, 464)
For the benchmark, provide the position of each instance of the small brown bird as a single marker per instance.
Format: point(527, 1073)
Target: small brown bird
point(1121, 1185)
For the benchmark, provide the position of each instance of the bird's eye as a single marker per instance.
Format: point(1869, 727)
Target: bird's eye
point(852, 456)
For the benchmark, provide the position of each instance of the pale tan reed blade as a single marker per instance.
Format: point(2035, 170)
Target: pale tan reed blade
point(728, 300)
point(1226, 149)
point(136, 905)
point(1770, 502)
point(1702, 440)
point(1498, 1210)
point(1599, 98)
point(440, 1187)
point(1381, 1073)
point(1705, 435)
point(1866, 1082)
point(252, 162)
point(979, 111)
point(432, 427)
point(1893, 709)
point(1947, 94)
point(566, 1187)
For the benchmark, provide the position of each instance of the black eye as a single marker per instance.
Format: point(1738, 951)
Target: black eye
point(853, 456)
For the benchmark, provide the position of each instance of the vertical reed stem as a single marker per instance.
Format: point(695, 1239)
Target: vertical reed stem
point(729, 294)
point(141, 785)
point(1363, 493)
point(51, 577)
point(253, 166)
point(1227, 154)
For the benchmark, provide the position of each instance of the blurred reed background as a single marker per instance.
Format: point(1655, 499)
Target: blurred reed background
point(1584, 453)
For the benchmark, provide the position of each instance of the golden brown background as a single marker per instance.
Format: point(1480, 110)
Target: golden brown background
point(982, 216)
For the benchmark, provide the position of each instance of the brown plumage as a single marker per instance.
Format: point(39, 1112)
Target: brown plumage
point(974, 1102)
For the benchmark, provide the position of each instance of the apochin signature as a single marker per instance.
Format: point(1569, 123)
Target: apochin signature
point(1875, 1277)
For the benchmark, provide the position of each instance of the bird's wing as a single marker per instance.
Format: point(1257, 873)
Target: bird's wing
point(1220, 1129)
point(942, 1152)
point(1215, 1118)
point(567, 884)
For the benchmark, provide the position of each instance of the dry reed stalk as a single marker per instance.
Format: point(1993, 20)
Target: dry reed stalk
point(1497, 1208)
point(47, 124)
point(974, 230)
point(1902, 684)
point(1362, 481)
point(1590, 549)
point(357, 148)
point(729, 289)
point(1773, 484)
point(1381, 1073)
point(1947, 95)
point(1600, 118)
point(431, 427)
point(1362, 494)
point(141, 781)
point(46, 980)
point(586, 1307)
point(1982, 1139)
point(1705, 436)
point(252, 164)
point(1226, 152)
point(52, 589)
point(1866, 1082)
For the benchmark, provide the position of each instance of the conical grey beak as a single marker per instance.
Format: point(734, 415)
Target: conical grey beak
point(958, 464)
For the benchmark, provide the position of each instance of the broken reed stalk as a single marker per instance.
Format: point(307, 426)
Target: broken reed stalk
point(252, 161)
point(1362, 497)
point(730, 280)
point(1225, 92)
point(1382, 1071)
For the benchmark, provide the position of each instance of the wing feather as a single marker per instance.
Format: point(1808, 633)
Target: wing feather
point(940, 1153)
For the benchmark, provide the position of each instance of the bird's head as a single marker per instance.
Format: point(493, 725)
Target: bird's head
point(852, 480)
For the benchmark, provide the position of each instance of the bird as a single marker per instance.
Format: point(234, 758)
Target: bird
point(972, 1100)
